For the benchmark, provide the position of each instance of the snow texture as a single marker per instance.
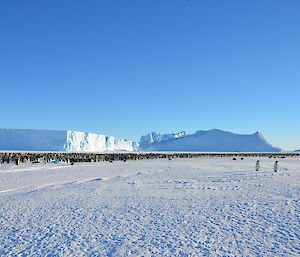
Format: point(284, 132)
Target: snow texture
point(54, 140)
point(211, 140)
point(194, 207)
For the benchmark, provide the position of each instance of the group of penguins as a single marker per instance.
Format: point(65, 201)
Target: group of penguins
point(275, 167)
point(72, 158)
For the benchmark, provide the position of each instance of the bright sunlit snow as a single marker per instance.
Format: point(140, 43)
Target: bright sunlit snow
point(205, 206)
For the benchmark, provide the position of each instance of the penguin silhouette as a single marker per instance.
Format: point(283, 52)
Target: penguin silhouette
point(257, 166)
point(276, 167)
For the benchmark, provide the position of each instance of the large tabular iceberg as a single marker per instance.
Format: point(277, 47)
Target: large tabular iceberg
point(214, 140)
point(205, 141)
point(65, 140)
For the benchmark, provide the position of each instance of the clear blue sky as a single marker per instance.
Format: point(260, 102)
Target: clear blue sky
point(128, 67)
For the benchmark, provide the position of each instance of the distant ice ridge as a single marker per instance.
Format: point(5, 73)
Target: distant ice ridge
point(66, 140)
point(155, 137)
point(214, 140)
point(72, 141)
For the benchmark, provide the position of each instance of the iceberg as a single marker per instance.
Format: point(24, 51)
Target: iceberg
point(213, 140)
point(64, 140)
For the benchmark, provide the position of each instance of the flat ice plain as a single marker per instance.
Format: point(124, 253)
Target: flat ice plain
point(182, 207)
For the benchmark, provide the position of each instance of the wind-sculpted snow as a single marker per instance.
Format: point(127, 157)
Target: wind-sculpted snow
point(207, 141)
point(53, 140)
point(184, 207)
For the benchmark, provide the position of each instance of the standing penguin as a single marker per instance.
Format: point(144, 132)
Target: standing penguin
point(276, 167)
point(17, 160)
point(257, 166)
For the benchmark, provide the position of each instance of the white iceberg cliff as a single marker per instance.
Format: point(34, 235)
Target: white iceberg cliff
point(65, 140)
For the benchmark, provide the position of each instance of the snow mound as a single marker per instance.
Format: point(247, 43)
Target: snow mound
point(66, 140)
point(211, 140)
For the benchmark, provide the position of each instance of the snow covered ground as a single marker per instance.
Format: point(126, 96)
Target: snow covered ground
point(183, 207)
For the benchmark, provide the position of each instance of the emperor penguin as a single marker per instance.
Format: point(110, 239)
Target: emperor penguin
point(276, 167)
point(257, 166)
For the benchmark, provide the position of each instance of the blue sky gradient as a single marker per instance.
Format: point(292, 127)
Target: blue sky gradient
point(125, 68)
